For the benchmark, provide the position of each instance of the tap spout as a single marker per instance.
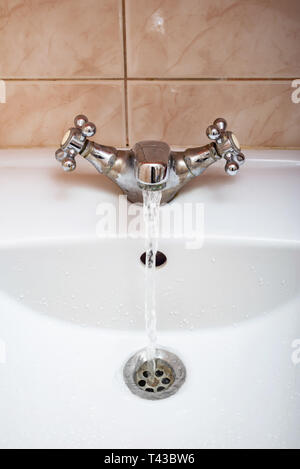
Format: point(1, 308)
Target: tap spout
point(152, 161)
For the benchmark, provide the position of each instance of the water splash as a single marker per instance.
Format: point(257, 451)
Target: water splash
point(151, 218)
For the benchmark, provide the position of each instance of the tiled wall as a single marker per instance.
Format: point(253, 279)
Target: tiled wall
point(141, 69)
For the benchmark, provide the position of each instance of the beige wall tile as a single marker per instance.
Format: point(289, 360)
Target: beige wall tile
point(261, 113)
point(61, 38)
point(37, 113)
point(213, 38)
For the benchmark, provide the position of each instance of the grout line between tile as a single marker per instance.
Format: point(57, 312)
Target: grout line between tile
point(126, 78)
point(209, 79)
point(65, 79)
point(125, 72)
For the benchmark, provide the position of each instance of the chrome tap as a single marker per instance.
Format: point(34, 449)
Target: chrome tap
point(150, 165)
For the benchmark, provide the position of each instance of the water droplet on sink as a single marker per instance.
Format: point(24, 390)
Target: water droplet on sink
point(213, 260)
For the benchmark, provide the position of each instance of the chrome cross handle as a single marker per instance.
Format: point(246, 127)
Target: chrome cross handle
point(74, 142)
point(227, 145)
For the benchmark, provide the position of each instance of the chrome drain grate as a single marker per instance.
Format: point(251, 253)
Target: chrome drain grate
point(161, 379)
point(158, 383)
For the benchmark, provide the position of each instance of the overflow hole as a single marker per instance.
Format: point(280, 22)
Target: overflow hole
point(160, 260)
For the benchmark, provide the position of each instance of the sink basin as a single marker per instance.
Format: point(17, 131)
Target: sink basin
point(72, 312)
point(87, 283)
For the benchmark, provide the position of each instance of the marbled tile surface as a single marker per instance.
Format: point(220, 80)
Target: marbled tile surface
point(260, 113)
point(213, 38)
point(61, 38)
point(194, 46)
point(37, 113)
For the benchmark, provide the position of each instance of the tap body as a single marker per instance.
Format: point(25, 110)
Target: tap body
point(122, 167)
point(149, 165)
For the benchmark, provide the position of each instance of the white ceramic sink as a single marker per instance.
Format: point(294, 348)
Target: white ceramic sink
point(71, 312)
point(101, 284)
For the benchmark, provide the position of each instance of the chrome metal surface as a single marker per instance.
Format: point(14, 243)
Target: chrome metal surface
point(227, 145)
point(150, 165)
point(168, 376)
point(152, 160)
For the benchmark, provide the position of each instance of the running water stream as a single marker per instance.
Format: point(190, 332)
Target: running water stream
point(151, 218)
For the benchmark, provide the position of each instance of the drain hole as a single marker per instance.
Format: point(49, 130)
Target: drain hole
point(165, 381)
point(158, 379)
point(160, 260)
